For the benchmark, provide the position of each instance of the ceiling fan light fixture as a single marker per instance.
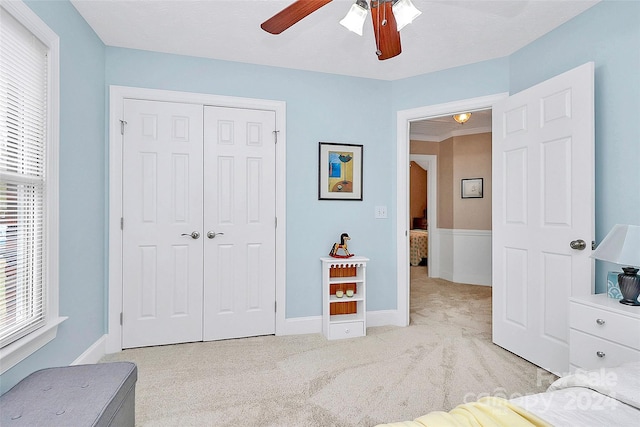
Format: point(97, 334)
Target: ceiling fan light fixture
point(405, 12)
point(462, 117)
point(354, 19)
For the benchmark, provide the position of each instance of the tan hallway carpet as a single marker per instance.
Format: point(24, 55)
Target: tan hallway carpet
point(445, 357)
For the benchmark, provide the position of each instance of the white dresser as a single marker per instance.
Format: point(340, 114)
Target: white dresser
point(603, 333)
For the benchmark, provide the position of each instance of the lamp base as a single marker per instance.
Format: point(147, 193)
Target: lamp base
point(629, 283)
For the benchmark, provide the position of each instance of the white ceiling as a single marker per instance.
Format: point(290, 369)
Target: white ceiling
point(449, 33)
point(437, 129)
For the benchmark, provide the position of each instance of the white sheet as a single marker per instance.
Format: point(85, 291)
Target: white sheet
point(577, 406)
point(621, 383)
point(605, 397)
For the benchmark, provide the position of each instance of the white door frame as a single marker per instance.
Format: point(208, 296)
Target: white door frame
point(403, 123)
point(117, 94)
point(430, 163)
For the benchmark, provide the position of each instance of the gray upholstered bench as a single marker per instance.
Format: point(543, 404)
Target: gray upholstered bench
point(83, 395)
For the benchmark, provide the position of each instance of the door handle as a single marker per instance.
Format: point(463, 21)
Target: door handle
point(213, 234)
point(578, 244)
point(194, 235)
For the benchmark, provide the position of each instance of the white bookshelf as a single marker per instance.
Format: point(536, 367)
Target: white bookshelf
point(344, 317)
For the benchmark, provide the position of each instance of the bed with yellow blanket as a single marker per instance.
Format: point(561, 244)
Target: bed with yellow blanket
point(604, 397)
point(488, 411)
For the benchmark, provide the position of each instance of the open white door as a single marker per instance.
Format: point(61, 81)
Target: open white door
point(543, 204)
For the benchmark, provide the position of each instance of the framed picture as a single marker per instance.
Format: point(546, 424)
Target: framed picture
point(613, 289)
point(339, 171)
point(471, 188)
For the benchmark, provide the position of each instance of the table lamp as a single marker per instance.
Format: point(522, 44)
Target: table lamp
point(622, 246)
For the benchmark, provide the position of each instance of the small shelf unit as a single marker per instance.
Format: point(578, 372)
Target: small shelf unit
point(344, 317)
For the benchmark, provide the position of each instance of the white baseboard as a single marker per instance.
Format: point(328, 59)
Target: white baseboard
point(384, 318)
point(93, 354)
point(302, 325)
point(446, 275)
point(472, 279)
point(293, 326)
point(313, 324)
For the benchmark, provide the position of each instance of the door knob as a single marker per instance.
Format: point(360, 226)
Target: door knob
point(194, 235)
point(213, 234)
point(578, 244)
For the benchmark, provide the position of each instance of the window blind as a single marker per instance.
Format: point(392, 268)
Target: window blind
point(23, 118)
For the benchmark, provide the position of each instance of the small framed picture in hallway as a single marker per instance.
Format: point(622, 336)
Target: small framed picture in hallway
point(471, 188)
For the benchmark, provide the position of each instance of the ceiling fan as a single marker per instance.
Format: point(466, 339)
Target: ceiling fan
point(388, 18)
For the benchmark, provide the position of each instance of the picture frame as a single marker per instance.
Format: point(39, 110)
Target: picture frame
point(613, 289)
point(339, 171)
point(471, 188)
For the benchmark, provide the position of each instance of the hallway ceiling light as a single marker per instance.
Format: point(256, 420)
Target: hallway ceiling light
point(462, 117)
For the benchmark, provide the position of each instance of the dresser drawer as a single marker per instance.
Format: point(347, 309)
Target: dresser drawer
point(346, 330)
point(590, 352)
point(612, 326)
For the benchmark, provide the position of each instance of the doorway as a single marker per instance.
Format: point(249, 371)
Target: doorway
point(543, 151)
point(113, 341)
point(421, 249)
point(404, 120)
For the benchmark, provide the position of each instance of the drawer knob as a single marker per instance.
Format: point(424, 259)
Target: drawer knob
point(346, 331)
point(600, 354)
point(600, 322)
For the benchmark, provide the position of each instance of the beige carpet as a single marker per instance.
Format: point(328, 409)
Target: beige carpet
point(445, 357)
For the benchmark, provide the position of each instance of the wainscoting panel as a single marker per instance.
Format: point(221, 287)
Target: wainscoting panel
point(446, 253)
point(465, 256)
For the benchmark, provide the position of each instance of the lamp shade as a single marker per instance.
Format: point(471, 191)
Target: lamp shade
point(405, 12)
point(354, 20)
point(620, 246)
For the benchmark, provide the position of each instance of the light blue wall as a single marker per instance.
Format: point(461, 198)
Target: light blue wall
point(469, 81)
point(320, 107)
point(609, 35)
point(82, 191)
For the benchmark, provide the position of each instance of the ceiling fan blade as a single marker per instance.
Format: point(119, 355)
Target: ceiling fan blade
point(291, 14)
point(386, 32)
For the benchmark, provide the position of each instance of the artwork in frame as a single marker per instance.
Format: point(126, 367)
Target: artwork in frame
point(471, 188)
point(339, 171)
point(613, 289)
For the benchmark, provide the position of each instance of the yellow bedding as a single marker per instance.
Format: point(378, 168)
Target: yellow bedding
point(486, 412)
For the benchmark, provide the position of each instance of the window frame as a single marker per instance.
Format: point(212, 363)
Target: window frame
point(14, 353)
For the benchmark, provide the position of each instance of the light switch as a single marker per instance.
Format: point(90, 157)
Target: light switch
point(380, 212)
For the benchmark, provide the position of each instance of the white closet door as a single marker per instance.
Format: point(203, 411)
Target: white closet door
point(162, 206)
point(239, 188)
